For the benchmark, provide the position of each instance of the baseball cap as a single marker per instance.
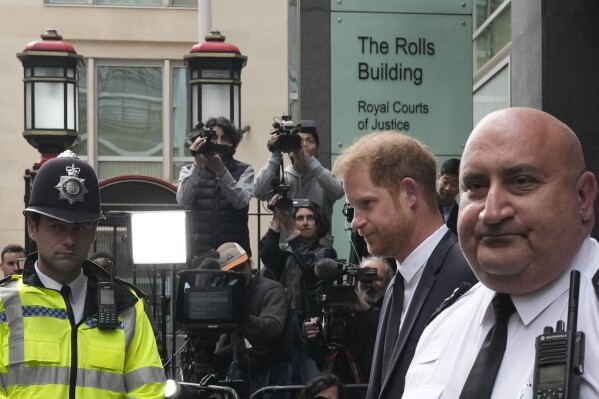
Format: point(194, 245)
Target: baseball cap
point(231, 255)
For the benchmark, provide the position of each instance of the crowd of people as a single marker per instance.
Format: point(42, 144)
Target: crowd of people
point(446, 300)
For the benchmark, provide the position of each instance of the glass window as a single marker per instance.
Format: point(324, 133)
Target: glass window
point(65, 1)
point(493, 38)
point(184, 3)
point(492, 96)
point(181, 155)
point(129, 113)
point(130, 2)
point(483, 10)
point(81, 148)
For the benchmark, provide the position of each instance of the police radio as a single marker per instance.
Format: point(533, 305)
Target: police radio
point(107, 315)
point(559, 358)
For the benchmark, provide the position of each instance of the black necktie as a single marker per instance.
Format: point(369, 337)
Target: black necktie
point(480, 381)
point(393, 321)
point(65, 291)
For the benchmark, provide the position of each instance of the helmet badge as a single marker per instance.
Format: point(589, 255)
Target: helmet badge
point(71, 187)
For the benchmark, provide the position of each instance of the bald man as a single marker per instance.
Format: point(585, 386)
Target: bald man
point(526, 214)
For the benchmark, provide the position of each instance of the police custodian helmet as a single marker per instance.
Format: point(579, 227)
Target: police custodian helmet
point(66, 188)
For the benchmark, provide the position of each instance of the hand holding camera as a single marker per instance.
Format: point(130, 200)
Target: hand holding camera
point(284, 136)
point(312, 327)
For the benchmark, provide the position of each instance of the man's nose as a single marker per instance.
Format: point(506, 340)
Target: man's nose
point(497, 206)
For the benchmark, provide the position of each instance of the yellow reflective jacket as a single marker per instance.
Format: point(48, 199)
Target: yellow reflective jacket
point(43, 356)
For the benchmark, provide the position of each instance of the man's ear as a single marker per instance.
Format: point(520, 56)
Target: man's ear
point(31, 228)
point(410, 187)
point(586, 188)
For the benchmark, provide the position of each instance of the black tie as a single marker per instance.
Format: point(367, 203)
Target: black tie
point(65, 291)
point(480, 381)
point(393, 321)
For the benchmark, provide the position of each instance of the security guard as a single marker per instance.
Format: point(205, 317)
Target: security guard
point(51, 342)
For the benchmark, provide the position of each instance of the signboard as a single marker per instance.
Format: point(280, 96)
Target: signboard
point(401, 65)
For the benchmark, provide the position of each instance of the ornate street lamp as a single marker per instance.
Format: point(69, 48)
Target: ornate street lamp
point(51, 94)
point(51, 102)
point(214, 71)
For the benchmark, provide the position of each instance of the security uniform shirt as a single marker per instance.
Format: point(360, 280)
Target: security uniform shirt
point(449, 345)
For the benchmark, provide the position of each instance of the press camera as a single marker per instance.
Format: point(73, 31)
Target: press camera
point(210, 147)
point(336, 295)
point(208, 303)
point(288, 140)
point(284, 202)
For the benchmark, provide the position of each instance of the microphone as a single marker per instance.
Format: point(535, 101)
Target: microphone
point(327, 269)
point(210, 264)
point(209, 279)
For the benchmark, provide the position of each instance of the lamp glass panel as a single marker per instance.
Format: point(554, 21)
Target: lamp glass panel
point(28, 72)
point(158, 237)
point(28, 102)
point(236, 106)
point(215, 74)
point(49, 103)
point(50, 72)
point(194, 104)
point(71, 106)
point(215, 101)
point(70, 73)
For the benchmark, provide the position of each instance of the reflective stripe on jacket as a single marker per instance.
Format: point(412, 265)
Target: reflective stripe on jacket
point(43, 355)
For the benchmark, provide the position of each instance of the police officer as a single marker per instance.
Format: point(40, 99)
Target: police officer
point(49, 332)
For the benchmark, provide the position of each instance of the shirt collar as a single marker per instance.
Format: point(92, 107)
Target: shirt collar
point(418, 258)
point(530, 306)
point(76, 285)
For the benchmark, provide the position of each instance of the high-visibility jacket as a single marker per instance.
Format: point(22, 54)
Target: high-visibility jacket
point(43, 355)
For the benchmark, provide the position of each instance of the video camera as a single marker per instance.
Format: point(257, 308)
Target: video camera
point(284, 202)
point(336, 295)
point(211, 300)
point(210, 147)
point(288, 140)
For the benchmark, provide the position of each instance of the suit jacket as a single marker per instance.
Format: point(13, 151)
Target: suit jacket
point(452, 222)
point(445, 270)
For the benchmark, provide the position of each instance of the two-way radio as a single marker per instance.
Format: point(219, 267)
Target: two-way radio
point(107, 315)
point(559, 357)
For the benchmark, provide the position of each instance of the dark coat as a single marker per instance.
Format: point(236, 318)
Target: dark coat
point(445, 270)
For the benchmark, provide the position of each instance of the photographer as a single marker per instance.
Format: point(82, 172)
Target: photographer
point(217, 188)
point(293, 265)
point(360, 322)
point(264, 361)
point(306, 177)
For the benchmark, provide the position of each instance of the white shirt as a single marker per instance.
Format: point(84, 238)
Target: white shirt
point(78, 291)
point(412, 267)
point(449, 345)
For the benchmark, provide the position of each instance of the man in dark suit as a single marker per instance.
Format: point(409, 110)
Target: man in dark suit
point(389, 179)
point(447, 190)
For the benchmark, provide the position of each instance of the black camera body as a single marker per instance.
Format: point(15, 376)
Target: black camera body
point(288, 140)
point(210, 147)
point(284, 202)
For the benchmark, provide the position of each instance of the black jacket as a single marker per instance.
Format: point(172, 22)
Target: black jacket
point(293, 267)
point(444, 271)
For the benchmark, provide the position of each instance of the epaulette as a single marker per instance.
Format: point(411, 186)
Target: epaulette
point(456, 294)
point(5, 280)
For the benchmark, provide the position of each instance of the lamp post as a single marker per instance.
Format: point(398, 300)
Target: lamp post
point(51, 101)
point(214, 72)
